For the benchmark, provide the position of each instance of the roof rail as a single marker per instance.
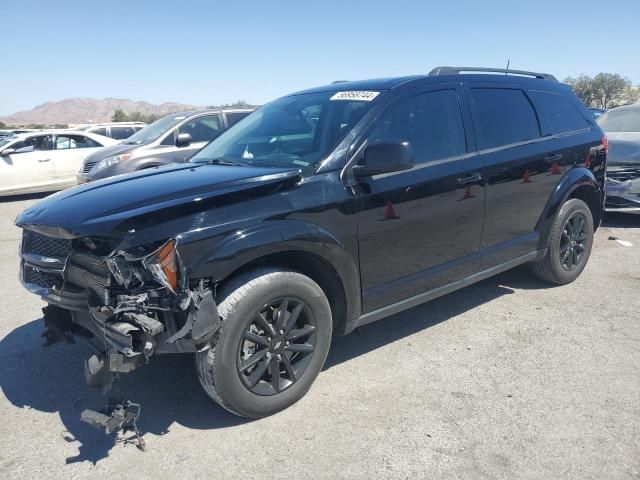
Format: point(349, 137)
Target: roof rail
point(457, 70)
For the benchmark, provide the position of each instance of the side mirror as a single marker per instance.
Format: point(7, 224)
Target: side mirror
point(385, 157)
point(183, 140)
point(8, 151)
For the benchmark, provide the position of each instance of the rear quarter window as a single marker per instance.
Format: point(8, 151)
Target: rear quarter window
point(503, 116)
point(558, 111)
point(121, 133)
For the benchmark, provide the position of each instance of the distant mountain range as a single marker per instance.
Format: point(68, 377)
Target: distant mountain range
point(87, 110)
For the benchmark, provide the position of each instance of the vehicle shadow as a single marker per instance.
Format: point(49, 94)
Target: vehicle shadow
point(51, 379)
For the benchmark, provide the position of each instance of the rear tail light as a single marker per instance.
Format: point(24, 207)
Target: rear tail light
point(605, 144)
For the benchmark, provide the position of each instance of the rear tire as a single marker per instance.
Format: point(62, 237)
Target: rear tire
point(237, 371)
point(570, 243)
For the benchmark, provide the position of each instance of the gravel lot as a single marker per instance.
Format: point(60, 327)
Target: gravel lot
point(506, 379)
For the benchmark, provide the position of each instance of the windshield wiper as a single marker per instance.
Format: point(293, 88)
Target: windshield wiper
point(225, 161)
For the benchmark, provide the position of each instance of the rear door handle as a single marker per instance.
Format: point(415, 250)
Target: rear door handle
point(553, 157)
point(469, 179)
point(44, 160)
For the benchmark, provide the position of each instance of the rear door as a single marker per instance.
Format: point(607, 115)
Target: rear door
point(29, 168)
point(420, 229)
point(202, 129)
point(523, 164)
point(68, 155)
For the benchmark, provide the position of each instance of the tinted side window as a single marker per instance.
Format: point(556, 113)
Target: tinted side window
point(42, 142)
point(561, 114)
point(168, 140)
point(505, 116)
point(431, 122)
point(235, 117)
point(64, 142)
point(120, 133)
point(99, 131)
point(202, 129)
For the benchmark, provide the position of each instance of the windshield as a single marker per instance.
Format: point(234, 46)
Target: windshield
point(621, 120)
point(6, 140)
point(152, 132)
point(299, 130)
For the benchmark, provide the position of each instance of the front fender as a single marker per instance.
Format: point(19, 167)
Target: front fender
point(219, 259)
point(574, 179)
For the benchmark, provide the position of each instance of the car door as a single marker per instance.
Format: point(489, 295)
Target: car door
point(523, 165)
point(68, 155)
point(420, 229)
point(202, 129)
point(29, 168)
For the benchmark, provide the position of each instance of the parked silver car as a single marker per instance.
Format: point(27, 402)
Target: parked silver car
point(622, 126)
point(171, 139)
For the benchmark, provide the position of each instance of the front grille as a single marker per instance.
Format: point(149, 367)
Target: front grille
point(33, 242)
point(88, 166)
point(619, 202)
point(40, 278)
point(624, 175)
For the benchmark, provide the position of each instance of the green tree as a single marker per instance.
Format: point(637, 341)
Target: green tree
point(119, 116)
point(584, 88)
point(610, 89)
point(605, 90)
point(3, 125)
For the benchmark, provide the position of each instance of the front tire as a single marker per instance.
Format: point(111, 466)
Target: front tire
point(570, 244)
point(272, 345)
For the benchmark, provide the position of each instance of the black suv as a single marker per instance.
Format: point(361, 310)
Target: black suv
point(320, 212)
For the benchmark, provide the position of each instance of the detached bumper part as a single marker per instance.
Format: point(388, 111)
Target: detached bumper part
point(118, 415)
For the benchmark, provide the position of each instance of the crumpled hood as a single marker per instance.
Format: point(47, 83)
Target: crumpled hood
point(99, 208)
point(624, 148)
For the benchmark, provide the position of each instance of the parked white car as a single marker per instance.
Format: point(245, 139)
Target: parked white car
point(115, 130)
point(46, 160)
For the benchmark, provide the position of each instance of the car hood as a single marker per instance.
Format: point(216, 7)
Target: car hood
point(624, 148)
point(109, 207)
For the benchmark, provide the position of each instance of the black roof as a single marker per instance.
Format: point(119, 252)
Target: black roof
point(372, 84)
point(441, 77)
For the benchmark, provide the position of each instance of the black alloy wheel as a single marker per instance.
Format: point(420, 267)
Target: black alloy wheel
point(572, 247)
point(277, 346)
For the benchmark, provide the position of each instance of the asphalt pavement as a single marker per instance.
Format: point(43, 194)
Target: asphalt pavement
point(509, 378)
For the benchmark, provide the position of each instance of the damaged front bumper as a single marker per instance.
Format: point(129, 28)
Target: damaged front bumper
point(128, 307)
point(623, 190)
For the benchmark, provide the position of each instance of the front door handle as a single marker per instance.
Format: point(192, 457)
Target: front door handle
point(469, 179)
point(553, 157)
point(44, 160)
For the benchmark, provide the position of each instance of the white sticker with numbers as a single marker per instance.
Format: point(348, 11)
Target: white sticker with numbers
point(357, 95)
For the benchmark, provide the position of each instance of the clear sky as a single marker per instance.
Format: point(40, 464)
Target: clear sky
point(212, 52)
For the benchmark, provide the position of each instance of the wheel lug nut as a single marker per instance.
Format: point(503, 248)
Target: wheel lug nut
point(287, 342)
point(268, 354)
point(281, 332)
point(279, 357)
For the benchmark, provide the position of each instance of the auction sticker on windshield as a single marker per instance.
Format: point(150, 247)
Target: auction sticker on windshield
point(359, 95)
